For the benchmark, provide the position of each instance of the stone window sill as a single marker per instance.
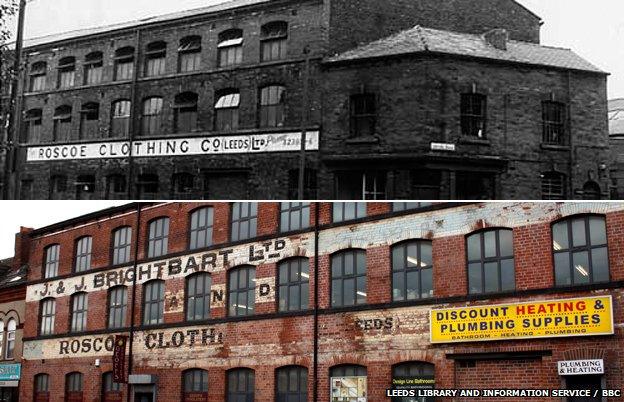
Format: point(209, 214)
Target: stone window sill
point(363, 140)
point(553, 147)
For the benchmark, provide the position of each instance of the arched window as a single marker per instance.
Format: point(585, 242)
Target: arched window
point(274, 40)
point(240, 385)
point(147, 186)
point(226, 111)
point(124, 63)
point(79, 307)
point(349, 380)
point(292, 384)
point(195, 385)
point(244, 220)
point(272, 106)
point(93, 68)
point(10, 339)
point(414, 373)
point(241, 291)
point(66, 72)
point(412, 270)
point(42, 388)
point(230, 47)
point(158, 237)
point(198, 296)
point(83, 254)
point(200, 229)
point(189, 54)
point(348, 274)
point(89, 118)
point(116, 187)
point(122, 239)
point(155, 58)
point(38, 72)
point(294, 284)
point(490, 262)
point(51, 263)
point(111, 391)
point(58, 187)
point(117, 306)
point(73, 387)
point(553, 186)
point(151, 118)
point(62, 123)
point(85, 187)
point(185, 112)
point(120, 118)
point(33, 121)
point(580, 250)
point(47, 311)
point(153, 302)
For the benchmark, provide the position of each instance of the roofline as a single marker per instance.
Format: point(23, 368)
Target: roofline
point(530, 11)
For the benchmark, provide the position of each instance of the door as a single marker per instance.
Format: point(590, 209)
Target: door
point(590, 382)
point(144, 397)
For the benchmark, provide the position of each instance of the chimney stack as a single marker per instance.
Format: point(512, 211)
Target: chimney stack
point(498, 38)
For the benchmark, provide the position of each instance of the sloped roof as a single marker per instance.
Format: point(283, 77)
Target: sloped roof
point(616, 104)
point(12, 277)
point(421, 40)
point(616, 117)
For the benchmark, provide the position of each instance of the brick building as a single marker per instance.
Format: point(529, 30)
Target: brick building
point(291, 302)
point(209, 104)
point(616, 142)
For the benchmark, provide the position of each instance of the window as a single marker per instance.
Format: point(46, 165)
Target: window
point(26, 189)
point(147, 186)
point(38, 72)
point(1, 336)
point(120, 121)
point(124, 64)
point(83, 254)
point(10, 341)
point(553, 186)
point(66, 72)
point(491, 261)
point(198, 297)
point(411, 371)
point(50, 269)
point(309, 184)
point(47, 312)
point(425, 184)
point(152, 116)
point(359, 185)
point(348, 274)
point(363, 115)
point(116, 187)
point(201, 228)
point(591, 191)
point(230, 47)
point(346, 211)
point(475, 186)
point(58, 187)
point(85, 187)
point(93, 68)
point(195, 385)
point(553, 122)
point(348, 380)
point(183, 186)
point(473, 115)
point(153, 302)
point(272, 106)
point(274, 41)
point(158, 237)
point(580, 251)
point(62, 124)
point(155, 58)
point(33, 121)
point(117, 305)
point(111, 391)
point(294, 216)
point(42, 388)
point(73, 387)
point(244, 220)
point(412, 271)
point(185, 112)
point(240, 385)
point(226, 112)
point(89, 118)
point(406, 206)
point(294, 278)
point(189, 54)
point(241, 291)
point(79, 312)
point(292, 384)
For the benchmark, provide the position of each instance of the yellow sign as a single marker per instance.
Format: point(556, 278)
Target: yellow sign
point(543, 319)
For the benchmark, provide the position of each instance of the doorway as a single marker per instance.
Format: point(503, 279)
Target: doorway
point(144, 393)
point(144, 397)
point(590, 382)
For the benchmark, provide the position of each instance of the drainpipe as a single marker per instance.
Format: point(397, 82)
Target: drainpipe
point(304, 123)
point(132, 307)
point(571, 139)
point(133, 114)
point(316, 293)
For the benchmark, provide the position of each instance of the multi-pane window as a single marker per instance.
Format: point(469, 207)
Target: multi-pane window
point(79, 303)
point(158, 237)
point(240, 385)
point(153, 302)
point(292, 384)
point(62, 124)
point(111, 391)
point(155, 58)
point(201, 228)
point(294, 216)
point(10, 339)
point(52, 258)
point(244, 220)
point(120, 118)
point(147, 186)
point(553, 186)
point(490, 259)
point(198, 296)
point(38, 76)
point(195, 385)
point(93, 68)
point(124, 64)
point(117, 305)
point(580, 251)
point(411, 370)
point(473, 115)
point(73, 387)
point(361, 185)
point(151, 117)
point(553, 123)
point(241, 291)
point(83, 254)
point(66, 72)
point(46, 316)
point(274, 40)
point(183, 185)
point(189, 54)
point(345, 211)
point(226, 111)
point(406, 206)
point(42, 388)
point(89, 118)
point(33, 121)
point(58, 187)
point(272, 106)
point(363, 112)
point(122, 238)
point(309, 184)
point(115, 187)
point(412, 270)
point(185, 112)
point(85, 187)
point(348, 275)
point(230, 47)
point(294, 282)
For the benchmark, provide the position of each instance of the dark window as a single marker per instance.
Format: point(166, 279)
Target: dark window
point(357, 185)
point(155, 58)
point(591, 191)
point(120, 120)
point(294, 279)
point(230, 48)
point(47, 313)
point(201, 228)
point(241, 291)
point(151, 118)
point(66, 72)
point(147, 186)
point(85, 187)
point(116, 187)
point(406, 206)
point(348, 274)
point(198, 297)
point(117, 305)
point(272, 106)
point(38, 76)
point(244, 220)
point(274, 41)
point(42, 388)
point(189, 54)
point(491, 261)
point(122, 238)
point(195, 385)
point(580, 251)
point(363, 115)
point(412, 270)
point(409, 371)
point(33, 122)
point(553, 186)
point(158, 239)
point(26, 189)
point(183, 185)
point(473, 115)
point(425, 184)
point(79, 303)
point(185, 112)
point(58, 187)
point(62, 123)
point(346, 211)
point(292, 384)
point(240, 385)
point(553, 121)
point(83, 254)
point(124, 64)
point(294, 216)
point(111, 391)
point(93, 68)
point(226, 112)
point(89, 118)
point(153, 302)
point(52, 259)
point(73, 387)
point(474, 186)
point(309, 184)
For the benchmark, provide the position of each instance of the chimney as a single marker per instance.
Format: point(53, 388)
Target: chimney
point(22, 247)
point(497, 37)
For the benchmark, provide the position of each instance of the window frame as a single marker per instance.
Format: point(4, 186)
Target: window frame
point(120, 123)
point(208, 228)
point(41, 379)
point(267, 106)
point(116, 388)
point(358, 205)
point(33, 121)
point(80, 254)
point(159, 302)
point(551, 127)
point(343, 276)
point(93, 62)
point(155, 59)
point(405, 269)
point(251, 216)
point(300, 209)
point(288, 263)
point(163, 237)
point(189, 53)
point(227, 110)
point(48, 317)
point(497, 258)
point(66, 71)
point(203, 375)
point(249, 374)
point(11, 330)
point(548, 180)
point(193, 298)
point(120, 309)
point(230, 44)
point(47, 262)
point(368, 116)
point(268, 38)
point(151, 115)
point(185, 112)
point(250, 288)
point(126, 246)
point(474, 121)
point(124, 56)
point(78, 312)
point(302, 393)
point(62, 123)
point(38, 76)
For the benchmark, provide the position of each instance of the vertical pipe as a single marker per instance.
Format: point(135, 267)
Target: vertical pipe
point(133, 114)
point(316, 293)
point(134, 280)
point(304, 123)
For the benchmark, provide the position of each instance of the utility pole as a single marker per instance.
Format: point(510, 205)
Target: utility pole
point(304, 123)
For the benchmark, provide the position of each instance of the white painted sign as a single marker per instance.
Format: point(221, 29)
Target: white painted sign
point(219, 145)
point(440, 146)
point(581, 367)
